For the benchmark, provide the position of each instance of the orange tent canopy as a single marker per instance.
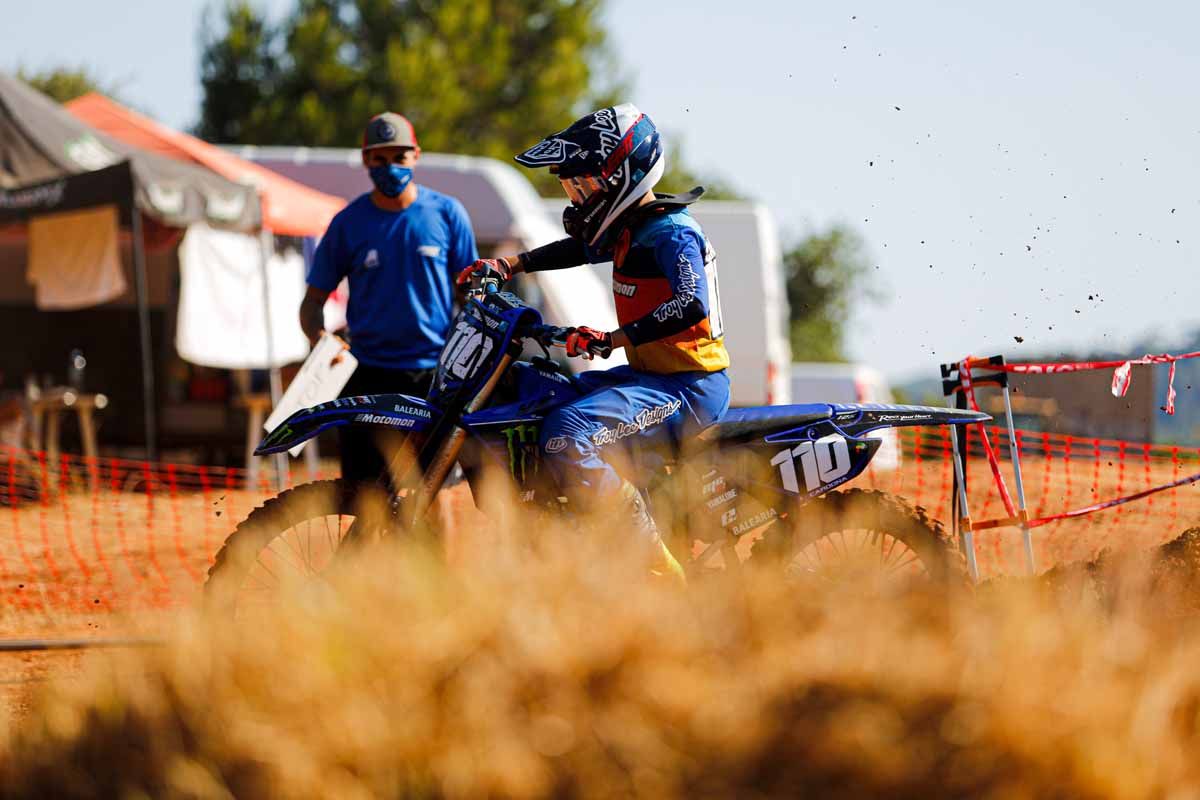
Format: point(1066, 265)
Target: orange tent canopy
point(288, 208)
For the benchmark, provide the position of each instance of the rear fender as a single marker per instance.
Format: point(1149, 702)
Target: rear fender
point(398, 412)
point(810, 459)
point(859, 419)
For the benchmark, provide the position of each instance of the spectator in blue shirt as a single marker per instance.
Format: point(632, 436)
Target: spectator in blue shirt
point(401, 246)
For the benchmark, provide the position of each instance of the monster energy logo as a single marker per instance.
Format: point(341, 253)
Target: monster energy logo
point(279, 434)
point(523, 460)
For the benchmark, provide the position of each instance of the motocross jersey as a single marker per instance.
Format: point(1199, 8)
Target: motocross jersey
point(665, 290)
point(664, 286)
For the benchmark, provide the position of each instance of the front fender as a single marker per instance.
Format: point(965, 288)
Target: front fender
point(387, 411)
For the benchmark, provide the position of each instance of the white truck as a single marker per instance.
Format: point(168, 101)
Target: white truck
point(754, 303)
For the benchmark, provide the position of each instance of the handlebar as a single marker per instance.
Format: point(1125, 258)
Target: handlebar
point(555, 336)
point(483, 285)
point(547, 335)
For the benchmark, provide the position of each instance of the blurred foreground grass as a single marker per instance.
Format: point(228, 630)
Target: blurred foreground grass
point(559, 672)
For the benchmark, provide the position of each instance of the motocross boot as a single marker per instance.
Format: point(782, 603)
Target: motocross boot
point(645, 531)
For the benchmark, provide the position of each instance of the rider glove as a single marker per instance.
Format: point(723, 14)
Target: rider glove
point(486, 268)
point(589, 342)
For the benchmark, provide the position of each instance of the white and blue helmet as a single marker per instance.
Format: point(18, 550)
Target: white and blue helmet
point(606, 161)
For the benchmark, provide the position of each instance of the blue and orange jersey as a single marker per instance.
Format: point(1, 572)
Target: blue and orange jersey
point(668, 301)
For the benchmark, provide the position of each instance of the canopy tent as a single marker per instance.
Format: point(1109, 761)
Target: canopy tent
point(43, 148)
point(51, 162)
point(223, 291)
point(289, 208)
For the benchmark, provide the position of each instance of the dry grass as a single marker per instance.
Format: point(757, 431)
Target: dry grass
point(555, 671)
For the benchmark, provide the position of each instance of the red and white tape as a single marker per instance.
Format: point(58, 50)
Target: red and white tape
point(1121, 370)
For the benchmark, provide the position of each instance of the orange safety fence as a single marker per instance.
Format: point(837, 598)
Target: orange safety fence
point(1061, 474)
point(119, 535)
point(110, 534)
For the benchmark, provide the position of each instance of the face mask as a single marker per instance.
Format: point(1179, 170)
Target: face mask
point(390, 179)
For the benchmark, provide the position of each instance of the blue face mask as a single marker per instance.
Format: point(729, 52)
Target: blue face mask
point(390, 179)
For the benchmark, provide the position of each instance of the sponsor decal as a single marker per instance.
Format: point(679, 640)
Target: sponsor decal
point(556, 444)
point(431, 250)
point(605, 125)
point(903, 417)
point(280, 433)
point(683, 295)
point(382, 419)
point(49, 195)
point(728, 517)
point(523, 456)
point(89, 153)
point(384, 131)
point(624, 289)
point(372, 259)
point(646, 418)
point(721, 499)
point(414, 412)
point(760, 518)
point(712, 487)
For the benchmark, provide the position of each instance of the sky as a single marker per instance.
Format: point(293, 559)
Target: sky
point(1026, 169)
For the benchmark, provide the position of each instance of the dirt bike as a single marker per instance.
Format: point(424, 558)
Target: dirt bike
point(758, 474)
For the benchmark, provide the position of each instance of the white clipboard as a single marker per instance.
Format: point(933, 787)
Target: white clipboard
point(319, 380)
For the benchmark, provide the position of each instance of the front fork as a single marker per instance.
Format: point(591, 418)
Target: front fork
point(447, 453)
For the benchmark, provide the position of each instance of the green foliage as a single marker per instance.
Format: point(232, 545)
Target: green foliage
point(479, 77)
point(825, 273)
point(62, 84)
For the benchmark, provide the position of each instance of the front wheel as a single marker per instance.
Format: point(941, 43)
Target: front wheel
point(292, 539)
point(865, 537)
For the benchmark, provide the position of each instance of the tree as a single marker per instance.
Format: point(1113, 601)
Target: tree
point(825, 273)
point(480, 77)
point(62, 84)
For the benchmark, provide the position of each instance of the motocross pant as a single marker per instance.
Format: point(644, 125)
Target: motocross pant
point(637, 414)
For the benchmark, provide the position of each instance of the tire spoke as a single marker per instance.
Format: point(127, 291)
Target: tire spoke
point(863, 537)
point(296, 565)
point(914, 560)
point(287, 540)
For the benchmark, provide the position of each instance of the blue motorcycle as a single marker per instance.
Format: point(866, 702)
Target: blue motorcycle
point(764, 474)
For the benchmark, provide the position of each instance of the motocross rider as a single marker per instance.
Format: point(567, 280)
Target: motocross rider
point(668, 312)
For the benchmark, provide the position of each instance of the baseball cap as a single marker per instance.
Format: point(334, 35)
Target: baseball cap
point(388, 129)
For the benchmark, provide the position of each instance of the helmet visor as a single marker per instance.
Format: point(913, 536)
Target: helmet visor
point(580, 188)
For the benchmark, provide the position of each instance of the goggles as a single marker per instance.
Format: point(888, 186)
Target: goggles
point(580, 188)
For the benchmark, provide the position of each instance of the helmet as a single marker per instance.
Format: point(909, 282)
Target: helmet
point(606, 162)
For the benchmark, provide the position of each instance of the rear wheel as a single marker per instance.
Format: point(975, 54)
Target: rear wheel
point(863, 537)
point(293, 539)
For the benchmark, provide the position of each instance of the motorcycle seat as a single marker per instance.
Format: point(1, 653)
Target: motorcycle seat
point(739, 422)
